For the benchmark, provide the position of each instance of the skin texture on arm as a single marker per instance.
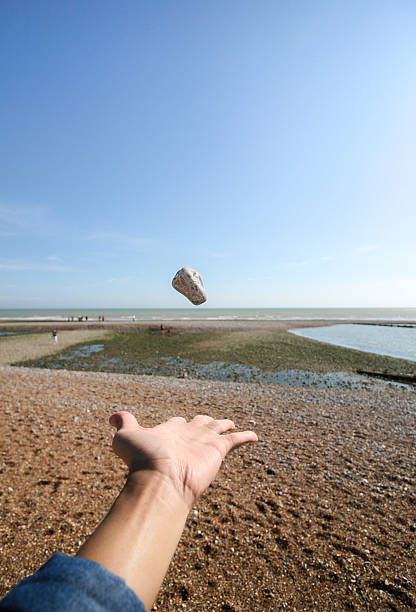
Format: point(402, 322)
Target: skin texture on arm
point(170, 466)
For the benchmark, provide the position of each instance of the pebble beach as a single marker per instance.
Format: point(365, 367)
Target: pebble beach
point(320, 514)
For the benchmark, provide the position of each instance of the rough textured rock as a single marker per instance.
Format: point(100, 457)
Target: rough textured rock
point(190, 284)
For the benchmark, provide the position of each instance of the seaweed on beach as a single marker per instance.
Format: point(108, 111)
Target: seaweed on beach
point(244, 356)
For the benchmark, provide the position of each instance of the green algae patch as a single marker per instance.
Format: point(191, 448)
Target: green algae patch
point(272, 351)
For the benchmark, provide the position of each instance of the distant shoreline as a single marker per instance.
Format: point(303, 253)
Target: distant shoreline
point(191, 325)
point(208, 315)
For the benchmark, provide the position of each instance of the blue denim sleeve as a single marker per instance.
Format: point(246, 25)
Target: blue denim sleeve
point(71, 584)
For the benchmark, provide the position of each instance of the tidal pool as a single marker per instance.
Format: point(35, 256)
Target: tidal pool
point(392, 340)
point(81, 351)
point(216, 370)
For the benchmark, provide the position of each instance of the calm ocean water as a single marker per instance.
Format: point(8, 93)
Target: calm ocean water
point(401, 315)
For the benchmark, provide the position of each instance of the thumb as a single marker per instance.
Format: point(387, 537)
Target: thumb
point(123, 420)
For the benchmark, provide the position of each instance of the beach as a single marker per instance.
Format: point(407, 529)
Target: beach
point(320, 514)
point(208, 209)
point(36, 345)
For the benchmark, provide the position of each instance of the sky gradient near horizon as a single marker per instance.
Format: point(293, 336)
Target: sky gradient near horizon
point(271, 146)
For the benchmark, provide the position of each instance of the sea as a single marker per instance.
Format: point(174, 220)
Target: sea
point(396, 337)
point(202, 313)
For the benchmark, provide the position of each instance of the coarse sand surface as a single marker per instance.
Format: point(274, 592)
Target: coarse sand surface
point(320, 514)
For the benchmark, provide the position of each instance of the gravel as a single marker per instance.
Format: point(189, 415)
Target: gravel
point(318, 515)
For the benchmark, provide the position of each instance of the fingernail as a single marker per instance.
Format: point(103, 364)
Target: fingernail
point(115, 421)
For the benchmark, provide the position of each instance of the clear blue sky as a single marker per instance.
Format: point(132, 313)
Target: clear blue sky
point(269, 145)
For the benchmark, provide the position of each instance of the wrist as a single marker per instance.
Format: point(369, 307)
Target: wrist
point(157, 489)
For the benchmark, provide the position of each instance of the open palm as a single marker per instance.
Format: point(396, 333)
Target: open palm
point(188, 453)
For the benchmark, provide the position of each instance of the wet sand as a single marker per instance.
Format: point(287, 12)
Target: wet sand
point(33, 346)
point(319, 515)
point(177, 326)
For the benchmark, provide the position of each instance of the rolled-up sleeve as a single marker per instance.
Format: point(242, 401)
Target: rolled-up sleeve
point(71, 584)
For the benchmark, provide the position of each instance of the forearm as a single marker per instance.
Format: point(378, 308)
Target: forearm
point(139, 535)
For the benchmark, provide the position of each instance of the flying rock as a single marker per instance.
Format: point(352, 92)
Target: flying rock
point(190, 284)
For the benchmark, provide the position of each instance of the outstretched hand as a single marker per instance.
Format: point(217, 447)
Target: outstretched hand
point(189, 454)
point(170, 466)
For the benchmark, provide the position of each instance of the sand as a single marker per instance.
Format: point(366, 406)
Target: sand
point(319, 515)
point(33, 346)
point(177, 326)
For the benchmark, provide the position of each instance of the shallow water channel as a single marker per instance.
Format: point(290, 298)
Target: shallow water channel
point(15, 333)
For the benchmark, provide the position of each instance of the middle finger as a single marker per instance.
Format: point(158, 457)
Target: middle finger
point(221, 425)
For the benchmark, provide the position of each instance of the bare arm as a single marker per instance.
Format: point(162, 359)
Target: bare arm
point(170, 467)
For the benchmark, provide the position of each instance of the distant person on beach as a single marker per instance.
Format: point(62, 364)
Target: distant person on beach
point(55, 336)
point(122, 564)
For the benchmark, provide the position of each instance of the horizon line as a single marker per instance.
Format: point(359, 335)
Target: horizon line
point(190, 308)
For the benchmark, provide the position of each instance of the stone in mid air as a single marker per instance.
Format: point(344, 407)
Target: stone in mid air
point(190, 284)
